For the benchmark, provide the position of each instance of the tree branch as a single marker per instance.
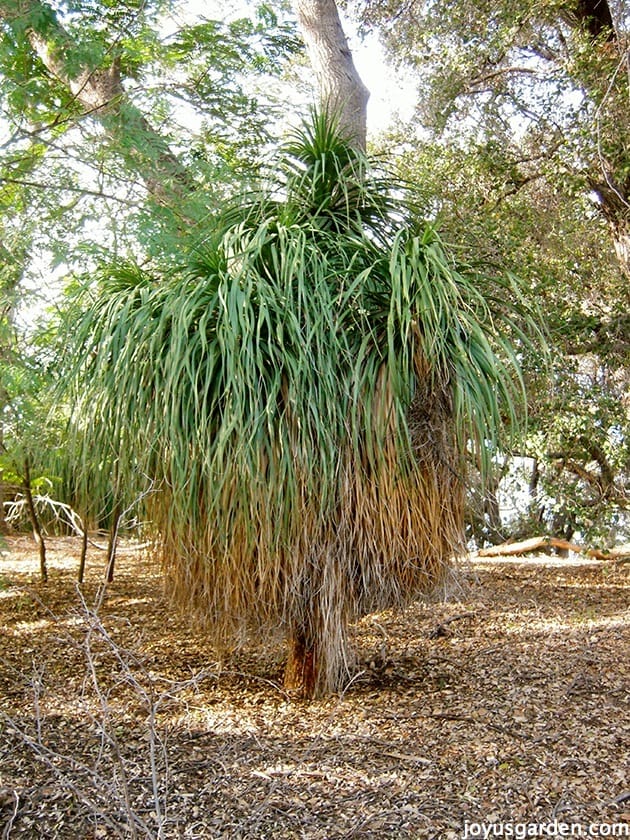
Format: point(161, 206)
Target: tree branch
point(503, 71)
point(68, 188)
point(598, 455)
point(100, 93)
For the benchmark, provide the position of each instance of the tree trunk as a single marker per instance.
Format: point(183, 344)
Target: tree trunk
point(612, 182)
point(300, 672)
point(318, 661)
point(341, 91)
point(621, 240)
point(545, 543)
point(4, 525)
point(614, 202)
point(37, 531)
point(84, 548)
point(343, 98)
point(534, 481)
point(111, 546)
point(535, 510)
point(493, 525)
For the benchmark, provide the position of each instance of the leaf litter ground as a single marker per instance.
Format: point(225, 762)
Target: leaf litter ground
point(507, 702)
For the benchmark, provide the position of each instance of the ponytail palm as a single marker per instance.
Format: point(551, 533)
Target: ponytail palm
point(301, 391)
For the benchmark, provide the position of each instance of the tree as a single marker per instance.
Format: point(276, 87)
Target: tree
point(93, 86)
point(553, 73)
point(109, 117)
point(301, 390)
point(527, 166)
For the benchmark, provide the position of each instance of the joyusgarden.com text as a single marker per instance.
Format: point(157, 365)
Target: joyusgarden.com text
point(554, 828)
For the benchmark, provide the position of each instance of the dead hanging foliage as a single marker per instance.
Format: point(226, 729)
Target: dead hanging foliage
point(302, 390)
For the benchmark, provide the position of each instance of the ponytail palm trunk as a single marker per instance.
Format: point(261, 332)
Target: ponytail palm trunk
point(301, 393)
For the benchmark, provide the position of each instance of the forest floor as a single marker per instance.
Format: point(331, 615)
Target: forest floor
point(506, 704)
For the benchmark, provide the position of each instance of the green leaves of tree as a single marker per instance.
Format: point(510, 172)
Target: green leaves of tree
point(259, 355)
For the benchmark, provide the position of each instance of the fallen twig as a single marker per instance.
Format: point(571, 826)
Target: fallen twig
point(7, 795)
point(440, 629)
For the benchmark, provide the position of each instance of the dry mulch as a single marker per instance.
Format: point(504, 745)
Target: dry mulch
point(509, 701)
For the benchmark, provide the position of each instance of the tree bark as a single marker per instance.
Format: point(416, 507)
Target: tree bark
point(544, 543)
point(300, 673)
point(621, 241)
point(612, 182)
point(492, 511)
point(112, 544)
point(84, 549)
point(341, 91)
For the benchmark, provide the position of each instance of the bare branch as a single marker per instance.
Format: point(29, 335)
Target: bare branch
point(503, 71)
point(57, 188)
